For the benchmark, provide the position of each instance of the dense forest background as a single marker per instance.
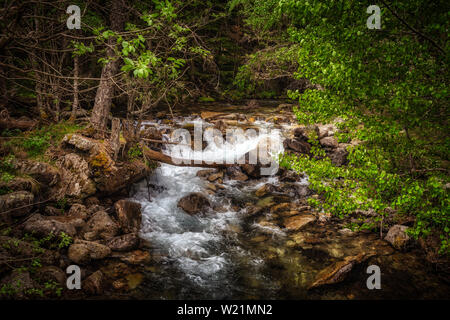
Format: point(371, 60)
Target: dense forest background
point(388, 87)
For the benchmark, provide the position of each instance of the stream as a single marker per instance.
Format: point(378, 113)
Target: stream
point(240, 249)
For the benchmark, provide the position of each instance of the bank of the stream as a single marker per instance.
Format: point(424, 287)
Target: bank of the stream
point(196, 233)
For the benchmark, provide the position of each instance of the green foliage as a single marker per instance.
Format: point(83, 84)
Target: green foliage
point(135, 152)
point(81, 48)
point(62, 204)
point(390, 90)
point(65, 240)
point(206, 99)
point(7, 172)
point(36, 142)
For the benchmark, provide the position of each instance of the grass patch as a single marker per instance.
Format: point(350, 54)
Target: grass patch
point(36, 142)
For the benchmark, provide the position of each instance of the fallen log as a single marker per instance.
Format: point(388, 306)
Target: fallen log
point(21, 124)
point(160, 157)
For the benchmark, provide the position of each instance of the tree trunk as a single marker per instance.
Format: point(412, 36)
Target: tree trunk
point(73, 116)
point(105, 92)
point(114, 139)
point(160, 157)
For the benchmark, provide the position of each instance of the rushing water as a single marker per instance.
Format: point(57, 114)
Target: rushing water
point(225, 254)
point(200, 253)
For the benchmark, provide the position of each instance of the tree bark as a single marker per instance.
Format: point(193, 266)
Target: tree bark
point(160, 157)
point(114, 140)
point(105, 92)
point(75, 88)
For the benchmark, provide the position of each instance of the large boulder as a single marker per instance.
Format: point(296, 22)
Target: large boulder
point(78, 211)
point(75, 180)
point(112, 179)
point(306, 133)
point(329, 142)
point(126, 242)
point(94, 283)
point(338, 156)
point(42, 226)
point(338, 271)
point(398, 237)
point(100, 226)
point(194, 203)
point(326, 130)
point(82, 252)
point(23, 250)
point(18, 282)
point(17, 203)
point(252, 170)
point(129, 215)
point(81, 143)
point(265, 190)
point(52, 273)
point(297, 145)
point(297, 222)
point(151, 133)
point(136, 257)
point(42, 172)
point(20, 184)
point(235, 173)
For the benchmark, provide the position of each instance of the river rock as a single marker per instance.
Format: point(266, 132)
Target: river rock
point(120, 176)
point(398, 237)
point(42, 226)
point(289, 176)
point(338, 271)
point(265, 190)
point(329, 142)
point(152, 133)
point(20, 201)
point(94, 283)
point(20, 184)
point(23, 250)
point(42, 172)
point(215, 176)
point(129, 215)
point(82, 251)
point(297, 222)
point(252, 170)
point(75, 177)
point(78, 211)
point(326, 130)
point(280, 207)
point(211, 188)
point(18, 282)
point(209, 115)
point(135, 257)
point(81, 142)
point(297, 145)
point(235, 173)
point(194, 203)
point(338, 156)
point(124, 242)
point(302, 190)
point(100, 226)
point(205, 172)
point(306, 133)
point(52, 273)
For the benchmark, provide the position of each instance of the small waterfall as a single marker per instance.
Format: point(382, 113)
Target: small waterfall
point(200, 249)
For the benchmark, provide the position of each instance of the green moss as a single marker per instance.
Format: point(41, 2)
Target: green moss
point(36, 142)
point(100, 163)
point(206, 99)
